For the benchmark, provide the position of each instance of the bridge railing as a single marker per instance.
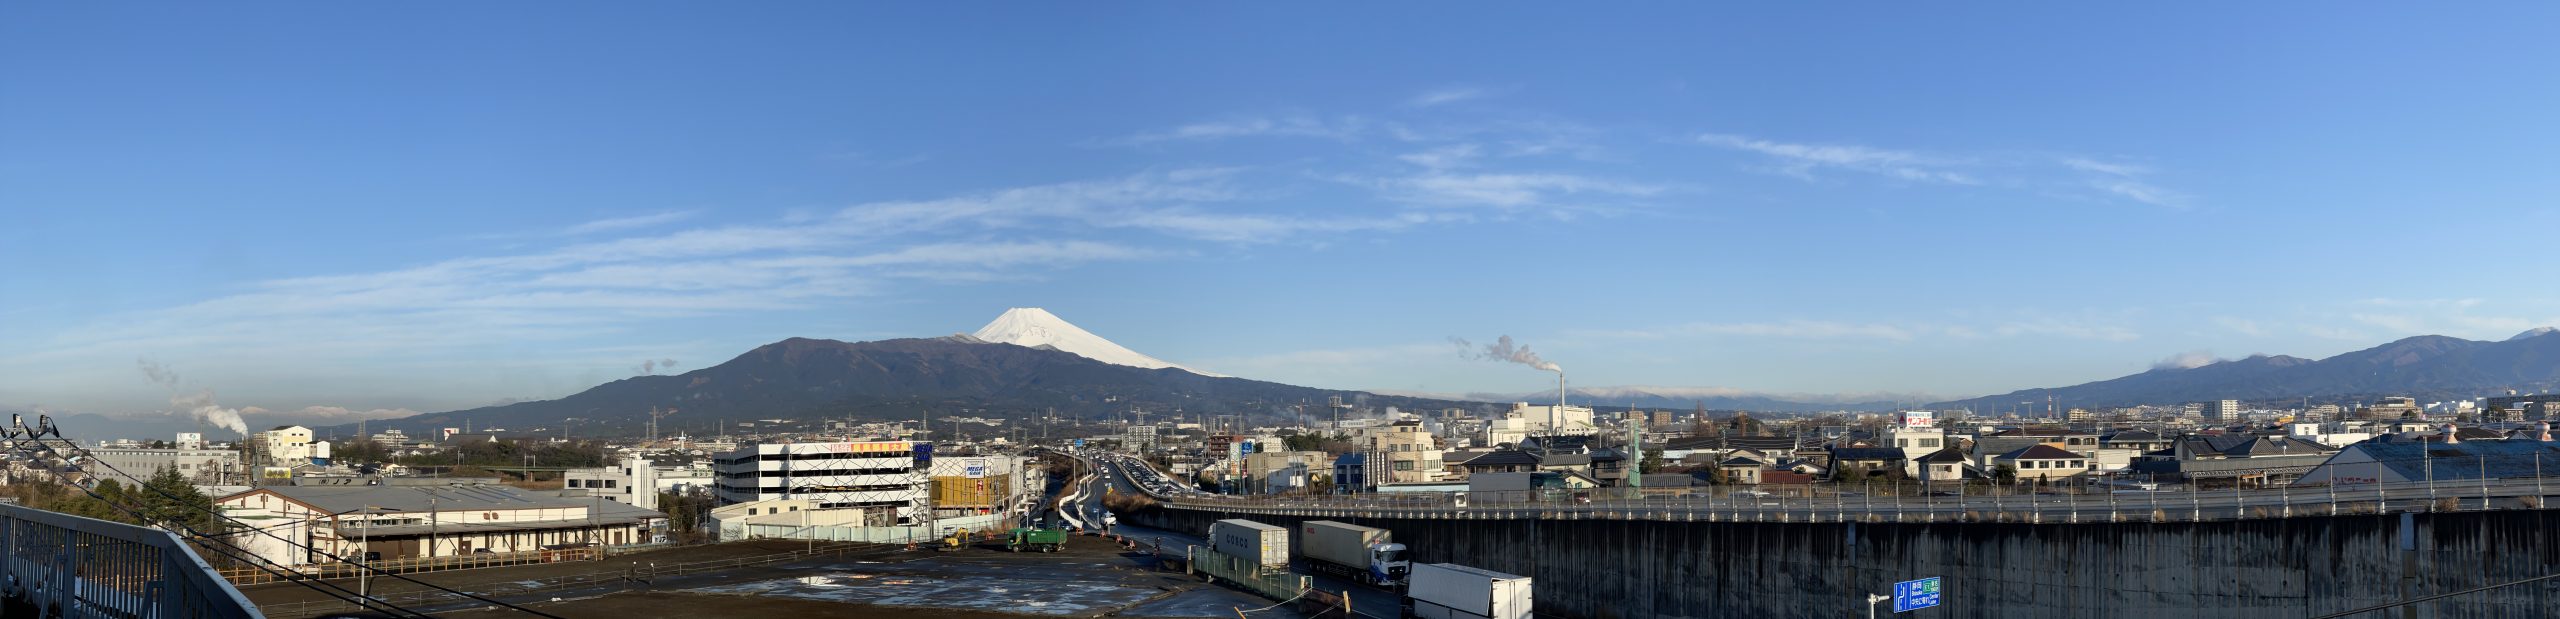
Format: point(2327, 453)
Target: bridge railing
point(2063, 499)
point(67, 566)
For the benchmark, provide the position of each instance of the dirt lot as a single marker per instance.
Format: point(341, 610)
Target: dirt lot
point(1088, 579)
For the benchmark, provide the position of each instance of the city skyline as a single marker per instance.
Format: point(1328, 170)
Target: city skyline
point(331, 217)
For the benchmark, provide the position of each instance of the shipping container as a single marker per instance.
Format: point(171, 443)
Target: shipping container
point(1352, 551)
point(1452, 591)
point(1259, 543)
point(971, 492)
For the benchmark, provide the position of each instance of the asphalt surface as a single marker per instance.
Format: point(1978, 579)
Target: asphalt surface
point(1364, 600)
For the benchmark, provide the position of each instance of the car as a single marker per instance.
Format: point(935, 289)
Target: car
point(1756, 494)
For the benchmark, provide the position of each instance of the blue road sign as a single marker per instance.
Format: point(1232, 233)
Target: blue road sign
point(1911, 595)
point(1079, 443)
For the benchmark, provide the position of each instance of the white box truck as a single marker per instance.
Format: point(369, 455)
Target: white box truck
point(1350, 551)
point(1452, 591)
point(1258, 543)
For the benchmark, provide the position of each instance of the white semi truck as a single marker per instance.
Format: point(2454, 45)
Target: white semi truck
point(1451, 591)
point(1358, 553)
point(1258, 543)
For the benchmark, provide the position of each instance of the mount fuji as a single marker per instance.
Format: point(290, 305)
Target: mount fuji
point(1032, 327)
point(1027, 366)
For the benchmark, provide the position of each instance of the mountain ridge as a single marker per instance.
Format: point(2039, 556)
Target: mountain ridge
point(2429, 367)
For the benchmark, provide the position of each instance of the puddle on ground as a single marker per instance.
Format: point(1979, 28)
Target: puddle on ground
point(971, 592)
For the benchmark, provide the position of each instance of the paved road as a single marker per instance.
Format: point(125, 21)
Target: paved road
point(1364, 600)
point(1829, 504)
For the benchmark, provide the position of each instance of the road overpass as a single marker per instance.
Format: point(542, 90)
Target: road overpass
point(2292, 552)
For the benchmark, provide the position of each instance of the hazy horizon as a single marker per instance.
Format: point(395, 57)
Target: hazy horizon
point(340, 212)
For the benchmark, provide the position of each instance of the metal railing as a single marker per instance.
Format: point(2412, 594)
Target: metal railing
point(246, 575)
point(631, 576)
point(2065, 501)
point(1274, 583)
point(68, 566)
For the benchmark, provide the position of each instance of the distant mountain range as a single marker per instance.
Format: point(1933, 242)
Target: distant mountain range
point(1686, 398)
point(960, 375)
point(2427, 367)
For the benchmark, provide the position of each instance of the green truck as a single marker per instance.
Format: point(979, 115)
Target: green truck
point(1043, 540)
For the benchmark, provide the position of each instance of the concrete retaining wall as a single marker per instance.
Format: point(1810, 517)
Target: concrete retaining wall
point(2287, 567)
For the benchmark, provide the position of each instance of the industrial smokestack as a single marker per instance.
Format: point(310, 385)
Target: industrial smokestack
point(1556, 417)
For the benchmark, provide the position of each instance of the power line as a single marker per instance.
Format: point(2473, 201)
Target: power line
point(46, 423)
point(252, 559)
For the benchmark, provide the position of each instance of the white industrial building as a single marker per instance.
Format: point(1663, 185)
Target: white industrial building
point(200, 466)
point(637, 481)
point(351, 517)
point(289, 446)
point(886, 481)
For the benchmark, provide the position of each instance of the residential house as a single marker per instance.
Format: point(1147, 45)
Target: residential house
point(2044, 462)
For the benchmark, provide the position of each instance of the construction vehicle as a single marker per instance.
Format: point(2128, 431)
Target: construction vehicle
point(958, 539)
point(1041, 540)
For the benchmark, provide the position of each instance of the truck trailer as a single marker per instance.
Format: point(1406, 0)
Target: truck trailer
point(1452, 591)
point(1354, 552)
point(1261, 544)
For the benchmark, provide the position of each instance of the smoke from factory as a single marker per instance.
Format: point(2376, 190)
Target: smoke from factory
point(1504, 350)
point(199, 405)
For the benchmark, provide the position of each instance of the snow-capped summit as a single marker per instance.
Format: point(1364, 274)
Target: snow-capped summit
point(1035, 328)
point(2533, 332)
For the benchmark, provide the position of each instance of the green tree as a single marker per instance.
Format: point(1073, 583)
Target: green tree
point(105, 501)
point(1851, 474)
point(168, 501)
point(1652, 462)
point(686, 512)
point(2006, 474)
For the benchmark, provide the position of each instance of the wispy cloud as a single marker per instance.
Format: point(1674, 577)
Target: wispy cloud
point(1512, 190)
point(606, 285)
point(2124, 180)
point(1343, 128)
point(618, 224)
point(1441, 158)
point(1801, 159)
point(1445, 96)
point(2077, 175)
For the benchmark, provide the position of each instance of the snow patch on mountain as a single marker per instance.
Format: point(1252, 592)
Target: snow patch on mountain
point(1033, 327)
point(2534, 332)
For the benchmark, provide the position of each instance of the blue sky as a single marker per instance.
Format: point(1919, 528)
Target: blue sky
point(330, 210)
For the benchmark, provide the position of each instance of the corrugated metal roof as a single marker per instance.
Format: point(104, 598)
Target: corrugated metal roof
point(344, 499)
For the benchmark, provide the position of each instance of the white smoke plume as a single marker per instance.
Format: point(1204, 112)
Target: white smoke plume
point(652, 366)
point(1503, 349)
point(159, 374)
point(200, 405)
point(2186, 360)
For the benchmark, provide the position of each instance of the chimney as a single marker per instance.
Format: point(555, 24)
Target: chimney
point(2448, 435)
point(2542, 431)
point(1556, 417)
